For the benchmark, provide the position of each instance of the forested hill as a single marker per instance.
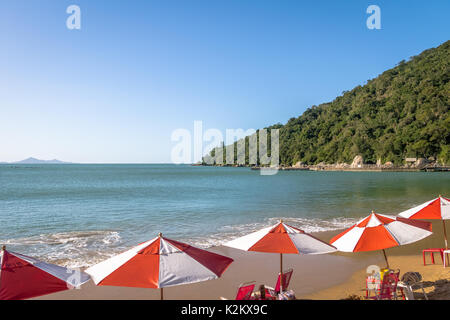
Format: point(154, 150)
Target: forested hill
point(401, 113)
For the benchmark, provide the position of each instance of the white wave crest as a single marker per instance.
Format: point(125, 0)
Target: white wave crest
point(71, 249)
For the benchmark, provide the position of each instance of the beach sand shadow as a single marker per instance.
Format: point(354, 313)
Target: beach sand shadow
point(440, 290)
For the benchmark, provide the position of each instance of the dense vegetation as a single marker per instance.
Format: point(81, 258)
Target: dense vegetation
point(401, 113)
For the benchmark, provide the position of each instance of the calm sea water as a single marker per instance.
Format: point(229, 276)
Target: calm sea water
point(78, 215)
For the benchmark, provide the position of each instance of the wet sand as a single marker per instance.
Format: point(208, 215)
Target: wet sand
point(330, 276)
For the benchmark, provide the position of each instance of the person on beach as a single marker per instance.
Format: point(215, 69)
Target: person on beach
point(262, 292)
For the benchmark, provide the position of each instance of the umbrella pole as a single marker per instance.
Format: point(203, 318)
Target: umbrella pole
point(281, 272)
point(162, 294)
point(385, 258)
point(445, 234)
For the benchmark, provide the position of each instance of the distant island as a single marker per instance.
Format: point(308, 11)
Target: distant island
point(399, 119)
point(32, 160)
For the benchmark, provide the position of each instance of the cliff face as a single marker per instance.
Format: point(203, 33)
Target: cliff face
point(402, 113)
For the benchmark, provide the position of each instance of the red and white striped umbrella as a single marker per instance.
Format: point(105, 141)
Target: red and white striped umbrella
point(23, 277)
point(159, 263)
point(379, 232)
point(281, 238)
point(438, 208)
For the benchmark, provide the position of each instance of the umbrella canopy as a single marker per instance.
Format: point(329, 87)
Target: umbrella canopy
point(379, 232)
point(23, 277)
point(438, 208)
point(281, 238)
point(159, 263)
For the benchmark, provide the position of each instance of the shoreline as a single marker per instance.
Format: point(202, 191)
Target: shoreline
point(331, 276)
point(365, 168)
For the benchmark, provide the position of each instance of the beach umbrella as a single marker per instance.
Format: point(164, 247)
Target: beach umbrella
point(438, 208)
point(283, 239)
point(23, 277)
point(159, 263)
point(379, 232)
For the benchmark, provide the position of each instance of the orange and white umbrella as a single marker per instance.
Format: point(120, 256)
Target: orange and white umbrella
point(379, 232)
point(159, 263)
point(438, 208)
point(281, 238)
point(23, 277)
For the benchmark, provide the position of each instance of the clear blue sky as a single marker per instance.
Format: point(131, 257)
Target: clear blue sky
point(137, 70)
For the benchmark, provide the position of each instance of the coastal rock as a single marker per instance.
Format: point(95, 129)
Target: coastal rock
point(389, 164)
point(420, 162)
point(299, 164)
point(358, 162)
point(341, 165)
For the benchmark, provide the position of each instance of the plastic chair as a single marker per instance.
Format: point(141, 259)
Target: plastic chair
point(388, 286)
point(432, 251)
point(445, 254)
point(244, 292)
point(286, 276)
point(408, 281)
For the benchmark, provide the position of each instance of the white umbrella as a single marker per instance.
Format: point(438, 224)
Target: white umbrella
point(438, 209)
point(281, 238)
point(379, 232)
point(159, 263)
point(23, 277)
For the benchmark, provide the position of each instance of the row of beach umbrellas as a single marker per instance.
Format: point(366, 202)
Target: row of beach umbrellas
point(162, 262)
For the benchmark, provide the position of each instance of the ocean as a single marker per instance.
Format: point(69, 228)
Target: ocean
point(78, 215)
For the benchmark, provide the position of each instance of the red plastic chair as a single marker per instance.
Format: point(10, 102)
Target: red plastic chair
point(431, 251)
point(286, 276)
point(388, 287)
point(245, 291)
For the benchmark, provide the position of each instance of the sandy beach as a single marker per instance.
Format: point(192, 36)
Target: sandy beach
point(332, 276)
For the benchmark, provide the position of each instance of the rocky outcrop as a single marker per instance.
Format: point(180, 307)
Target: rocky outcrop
point(421, 162)
point(342, 165)
point(299, 164)
point(358, 162)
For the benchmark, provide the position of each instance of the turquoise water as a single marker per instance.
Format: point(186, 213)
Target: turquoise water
point(80, 214)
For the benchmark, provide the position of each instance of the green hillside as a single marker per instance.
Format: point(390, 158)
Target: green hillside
point(401, 113)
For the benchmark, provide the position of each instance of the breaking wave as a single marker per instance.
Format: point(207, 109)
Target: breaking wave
point(72, 249)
